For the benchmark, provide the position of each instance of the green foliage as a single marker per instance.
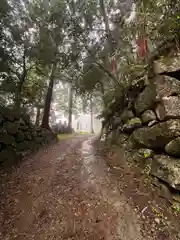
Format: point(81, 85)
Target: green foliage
point(35, 35)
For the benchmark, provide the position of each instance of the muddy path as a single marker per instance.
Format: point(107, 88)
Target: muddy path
point(66, 192)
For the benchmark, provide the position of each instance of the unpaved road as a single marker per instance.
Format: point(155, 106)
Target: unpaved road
point(65, 192)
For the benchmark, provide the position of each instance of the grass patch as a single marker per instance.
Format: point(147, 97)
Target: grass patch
point(70, 135)
point(64, 136)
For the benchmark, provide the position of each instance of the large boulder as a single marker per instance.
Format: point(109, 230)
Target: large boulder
point(146, 100)
point(166, 87)
point(167, 169)
point(169, 107)
point(157, 136)
point(173, 147)
point(132, 124)
point(160, 87)
point(126, 115)
point(148, 116)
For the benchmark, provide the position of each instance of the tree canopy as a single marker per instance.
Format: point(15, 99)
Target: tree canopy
point(93, 46)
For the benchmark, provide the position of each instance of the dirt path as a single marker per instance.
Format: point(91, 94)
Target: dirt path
point(65, 192)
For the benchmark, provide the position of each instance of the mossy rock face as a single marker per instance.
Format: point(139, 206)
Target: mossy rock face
point(167, 169)
point(142, 156)
point(173, 147)
point(126, 115)
point(19, 137)
point(148, 116)
point(146, 100)
point(157, 136)
point(132, 124)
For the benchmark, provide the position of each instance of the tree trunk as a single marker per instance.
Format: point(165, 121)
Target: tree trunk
point(18, 98)
point(38, 116)
point(106, 21)
point(48, 99)
point(70, 105)
point(91, 113)
point(19, 92)
point(22, 79)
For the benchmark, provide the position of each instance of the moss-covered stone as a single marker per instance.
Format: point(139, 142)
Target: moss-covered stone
point(126, 115)
point(132, 124)
point(18, 136)
point(157, 136)
point(167, 169)
point(148, 116)
point(173, 147)
point(146, 100)
point(141, 156)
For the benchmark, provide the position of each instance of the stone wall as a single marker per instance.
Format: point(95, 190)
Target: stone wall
point(19, 137)
point(153, 127)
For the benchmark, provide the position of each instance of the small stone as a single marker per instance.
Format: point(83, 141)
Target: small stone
point(157, 220)
point(148, 116)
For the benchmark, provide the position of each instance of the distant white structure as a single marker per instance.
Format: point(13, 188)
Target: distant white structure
point(83, 124)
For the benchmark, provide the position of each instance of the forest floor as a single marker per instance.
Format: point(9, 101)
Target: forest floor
point(67, 191)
